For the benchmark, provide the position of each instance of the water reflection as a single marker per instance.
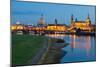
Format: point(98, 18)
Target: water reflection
point(61, 36)
point(79, 42)
point(80, 48)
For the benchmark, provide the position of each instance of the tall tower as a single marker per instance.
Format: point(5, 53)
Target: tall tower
point(72, 19)
point(56, 21)
point(76, 20)
point(88, 21)
point(41, 21)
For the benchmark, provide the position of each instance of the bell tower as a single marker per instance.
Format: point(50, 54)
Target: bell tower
point(56, 21)
point(88, 21)
point(72, 19)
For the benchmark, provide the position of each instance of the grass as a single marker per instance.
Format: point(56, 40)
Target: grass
point(25, 47)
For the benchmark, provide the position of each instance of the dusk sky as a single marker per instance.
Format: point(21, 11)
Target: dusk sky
point(30, 12)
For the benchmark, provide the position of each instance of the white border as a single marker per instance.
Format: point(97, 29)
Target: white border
point(83, 2)
point(4, 33)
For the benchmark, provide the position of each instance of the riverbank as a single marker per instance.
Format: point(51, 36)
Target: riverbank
point(54, 52)
point(34, 50)
point(25, 47)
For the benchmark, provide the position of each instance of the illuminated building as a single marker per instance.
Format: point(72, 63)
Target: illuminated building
point(40, 28)
point(82, 25)
point(41, 21)
point(58, 28)
point(17, 26)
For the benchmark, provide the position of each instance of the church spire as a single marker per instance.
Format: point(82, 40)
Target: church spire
point(88, 19)
point(72, 19)
point(75, 19)
point(56, 21)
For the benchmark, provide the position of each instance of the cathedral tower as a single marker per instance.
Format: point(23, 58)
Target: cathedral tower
point(72, 19)
point(88, 21)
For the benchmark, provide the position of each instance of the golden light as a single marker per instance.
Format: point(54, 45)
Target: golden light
point(13, 27)
point(56, 28)
point(20, 27)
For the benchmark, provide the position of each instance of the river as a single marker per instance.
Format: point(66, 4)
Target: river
point(80, 48)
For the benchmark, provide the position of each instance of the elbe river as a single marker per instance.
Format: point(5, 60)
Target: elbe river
point(79, 48)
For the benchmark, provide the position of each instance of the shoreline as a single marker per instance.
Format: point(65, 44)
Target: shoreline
point(54, 53)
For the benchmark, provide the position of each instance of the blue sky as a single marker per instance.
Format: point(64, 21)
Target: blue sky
point(30, 12)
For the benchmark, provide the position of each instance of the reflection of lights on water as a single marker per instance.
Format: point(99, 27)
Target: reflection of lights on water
point(73, 41)
point(61, 36)
point(83, 43)
point(76, 42)
point(88, 45)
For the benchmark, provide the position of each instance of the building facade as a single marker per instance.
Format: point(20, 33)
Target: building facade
point(82, 25)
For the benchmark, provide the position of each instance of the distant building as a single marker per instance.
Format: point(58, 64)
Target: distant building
point(58, 28)
point(40, 28)
point(83, 25)
point(41, 22)
point(17, 26)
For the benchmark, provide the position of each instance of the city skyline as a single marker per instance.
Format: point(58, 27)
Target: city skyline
point(30, 12)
